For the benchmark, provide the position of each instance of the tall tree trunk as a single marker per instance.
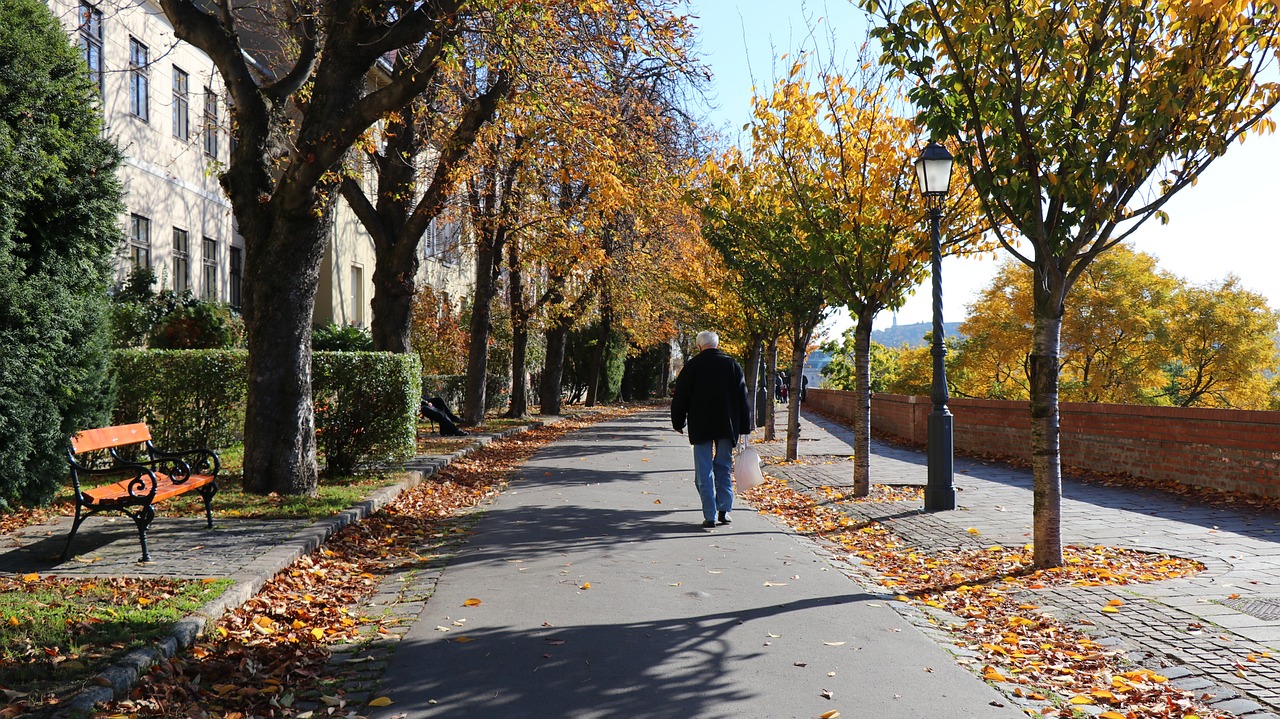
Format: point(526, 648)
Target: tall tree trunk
point(487, 259)
point(1046, 460)
point(862, 415)
point(665, 389)
point(597, 356)
point(394, 286)
point(799, 342)
point(280, 423)
point(770, 382)
point(753, 379)
point(519, 404)
point(549, 389)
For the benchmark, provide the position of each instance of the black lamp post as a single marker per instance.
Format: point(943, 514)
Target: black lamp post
point(933, 174)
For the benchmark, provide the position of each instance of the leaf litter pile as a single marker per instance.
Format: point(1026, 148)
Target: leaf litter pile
point(1029, 653)
point(263, 657)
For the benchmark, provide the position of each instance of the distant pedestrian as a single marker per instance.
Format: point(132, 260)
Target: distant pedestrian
point(804, 388)
point(711, 396)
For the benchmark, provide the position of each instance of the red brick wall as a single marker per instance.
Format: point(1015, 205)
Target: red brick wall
point(1235, 450)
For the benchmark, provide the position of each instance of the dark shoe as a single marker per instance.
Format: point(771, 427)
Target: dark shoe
point(725, 518)
point(709, 524)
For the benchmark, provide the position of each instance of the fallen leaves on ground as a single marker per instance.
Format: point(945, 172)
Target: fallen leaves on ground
point(273, 651)
point(1018, 645)
point(879, 493)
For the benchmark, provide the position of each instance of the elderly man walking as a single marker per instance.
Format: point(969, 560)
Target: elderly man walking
point(711, 396)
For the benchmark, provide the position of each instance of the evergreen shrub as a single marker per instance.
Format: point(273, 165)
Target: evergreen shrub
point(59, 224)
point(366, 407)
point(340, 338)
point(189, 398)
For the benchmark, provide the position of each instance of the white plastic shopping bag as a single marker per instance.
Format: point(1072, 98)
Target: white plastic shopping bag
point(746, 469)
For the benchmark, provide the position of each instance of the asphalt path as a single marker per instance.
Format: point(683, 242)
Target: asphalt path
point(600, 595)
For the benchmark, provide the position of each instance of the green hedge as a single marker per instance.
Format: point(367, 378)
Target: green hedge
point(366, 402)
point(189, 398)
point(366, 407)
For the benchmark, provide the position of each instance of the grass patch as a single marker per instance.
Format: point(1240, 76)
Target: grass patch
point(55, 633)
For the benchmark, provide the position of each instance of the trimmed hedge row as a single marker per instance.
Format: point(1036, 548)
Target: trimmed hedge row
point(366, 402)
point(366, 407)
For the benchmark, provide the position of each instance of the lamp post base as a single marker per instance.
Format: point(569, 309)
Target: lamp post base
point(940, 494)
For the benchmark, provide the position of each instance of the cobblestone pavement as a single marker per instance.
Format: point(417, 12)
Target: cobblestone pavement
point(1200, 631)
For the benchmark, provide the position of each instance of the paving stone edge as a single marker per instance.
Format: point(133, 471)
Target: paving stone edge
point(118, 680)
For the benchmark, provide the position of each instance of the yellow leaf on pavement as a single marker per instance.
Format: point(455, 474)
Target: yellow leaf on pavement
point(585, 585)
point(1081, 700)
point(472, 602)
point(1110, 610)
point(318, 633)
point(1116, 603)
point(1118, 715)
point(381, 702)
point(833, 714)
point(32, 577)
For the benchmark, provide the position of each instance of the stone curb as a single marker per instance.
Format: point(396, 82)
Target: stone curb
point(118, 680)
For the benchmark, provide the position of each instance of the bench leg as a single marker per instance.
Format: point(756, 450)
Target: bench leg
point(143, 520)
point(75, 526)
point(206, 493)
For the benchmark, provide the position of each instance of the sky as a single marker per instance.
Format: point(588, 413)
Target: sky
point(1222, 225)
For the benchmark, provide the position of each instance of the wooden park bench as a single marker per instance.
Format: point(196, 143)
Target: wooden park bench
point(158, 477)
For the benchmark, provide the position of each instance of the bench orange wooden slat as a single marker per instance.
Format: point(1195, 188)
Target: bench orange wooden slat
point(106, 437)
point(165, 488)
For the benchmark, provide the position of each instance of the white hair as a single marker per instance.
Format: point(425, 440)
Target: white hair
point(707, 340)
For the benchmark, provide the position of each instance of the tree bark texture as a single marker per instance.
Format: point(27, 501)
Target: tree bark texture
point(799, 342)
point(862, 415)
point(519, 405)
point(753, 379)
point(550, 389)
point(770, 383)
point(481, 315)
point(597, 357)
point(1046, 459)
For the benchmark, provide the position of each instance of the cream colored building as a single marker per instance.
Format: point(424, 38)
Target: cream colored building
point(346, 277)
point(163, 103)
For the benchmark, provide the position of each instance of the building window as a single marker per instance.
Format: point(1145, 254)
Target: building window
point(91, 42)
point(430, 245)
point(209, 261)
point(234, 276)
point(181, 261)
point(449, 243)
point(139, 241)
point(210, 123)
point(357, 295)
point(139, 79)
point(181, 104)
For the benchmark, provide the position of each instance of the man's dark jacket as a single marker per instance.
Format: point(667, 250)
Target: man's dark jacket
point(711, 394)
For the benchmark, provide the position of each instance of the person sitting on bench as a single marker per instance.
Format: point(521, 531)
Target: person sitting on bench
point(436, 410)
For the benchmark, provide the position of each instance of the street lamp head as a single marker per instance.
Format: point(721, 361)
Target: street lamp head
point(933, 171)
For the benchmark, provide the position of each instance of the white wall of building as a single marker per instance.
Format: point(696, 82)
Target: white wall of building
point(172, 152)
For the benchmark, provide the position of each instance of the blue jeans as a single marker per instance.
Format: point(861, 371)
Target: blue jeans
point(713, 476)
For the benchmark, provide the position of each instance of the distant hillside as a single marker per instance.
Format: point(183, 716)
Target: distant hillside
point(911, 335)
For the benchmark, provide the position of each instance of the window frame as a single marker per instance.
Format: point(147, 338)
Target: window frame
point(210, 123)
point(209, 269)
point(181, 104)
point(181, 262)
point(139, 239)
point(139, 80)
point(92, 44)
